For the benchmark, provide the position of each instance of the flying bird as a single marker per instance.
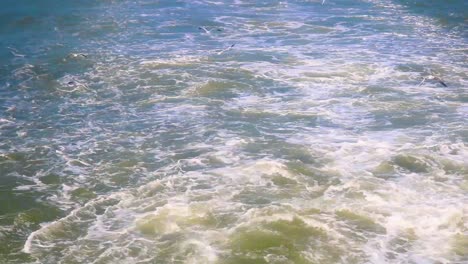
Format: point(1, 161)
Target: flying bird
point(433, 78)
point(226, 49)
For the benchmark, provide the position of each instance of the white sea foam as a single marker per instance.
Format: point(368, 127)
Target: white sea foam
point(166, 151)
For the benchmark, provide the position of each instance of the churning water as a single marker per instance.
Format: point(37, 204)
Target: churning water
point(241, 131)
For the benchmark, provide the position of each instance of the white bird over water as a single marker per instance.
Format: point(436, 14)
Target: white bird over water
point(208, 31)
point(15, 52)
point(226, 49)
point(77, 55)
point(433, 78)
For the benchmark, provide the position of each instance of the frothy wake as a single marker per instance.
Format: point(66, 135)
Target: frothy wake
point(137, 137)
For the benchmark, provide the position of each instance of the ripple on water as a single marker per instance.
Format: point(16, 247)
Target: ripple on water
point(304, 142)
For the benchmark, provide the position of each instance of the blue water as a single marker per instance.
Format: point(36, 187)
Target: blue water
point(233, 131)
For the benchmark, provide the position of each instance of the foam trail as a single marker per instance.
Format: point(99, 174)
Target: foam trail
point(323, 135)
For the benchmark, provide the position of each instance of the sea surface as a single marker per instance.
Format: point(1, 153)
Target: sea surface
point(236, 131)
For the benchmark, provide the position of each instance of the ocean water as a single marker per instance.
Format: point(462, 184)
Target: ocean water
point(238, 131)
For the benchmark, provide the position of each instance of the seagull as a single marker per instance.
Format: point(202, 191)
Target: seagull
point(77, 55)
point(11, 109)
point(15, 52)
point(433, 77)
point(226, 49)
point(204, 29)
point(208, 31)
point(77, 86)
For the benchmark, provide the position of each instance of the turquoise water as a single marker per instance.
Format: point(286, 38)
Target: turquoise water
point(233, 131)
